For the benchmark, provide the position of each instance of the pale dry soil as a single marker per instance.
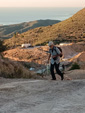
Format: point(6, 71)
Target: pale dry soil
point(42, 96)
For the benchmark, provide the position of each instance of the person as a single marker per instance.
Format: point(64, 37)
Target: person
point(55, 60)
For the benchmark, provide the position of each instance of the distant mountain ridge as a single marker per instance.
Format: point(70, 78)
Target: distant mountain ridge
point(70, 30)
point(7, 31)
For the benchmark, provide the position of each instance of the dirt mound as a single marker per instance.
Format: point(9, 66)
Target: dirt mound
point(68, 51)
point(37, 55)
point(80, 59)
point(78, 47)
point(75, 74)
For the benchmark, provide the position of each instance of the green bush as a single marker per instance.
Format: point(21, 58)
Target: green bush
point(75, 66)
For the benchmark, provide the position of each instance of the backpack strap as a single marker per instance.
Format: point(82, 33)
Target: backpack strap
point(55, 49)
point(59, 50)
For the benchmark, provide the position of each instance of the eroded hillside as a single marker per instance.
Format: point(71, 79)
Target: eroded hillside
point(38, 55)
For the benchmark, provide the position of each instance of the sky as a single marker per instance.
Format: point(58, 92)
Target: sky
point(42, 3)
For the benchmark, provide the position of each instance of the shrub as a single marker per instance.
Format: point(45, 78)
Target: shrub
point(11, 69)
point(2, 46)
point(14, 35)
point(22, 36)
point(75, 66)
point(27, 65)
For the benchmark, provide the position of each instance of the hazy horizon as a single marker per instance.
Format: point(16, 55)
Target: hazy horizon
point(19, 15)
point(42, 3)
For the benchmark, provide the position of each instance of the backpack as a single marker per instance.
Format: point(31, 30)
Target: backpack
point(60, 51)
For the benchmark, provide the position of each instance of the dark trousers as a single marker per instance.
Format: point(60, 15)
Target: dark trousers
point(57, 70)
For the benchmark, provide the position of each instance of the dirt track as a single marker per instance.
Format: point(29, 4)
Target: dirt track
point(42, 96)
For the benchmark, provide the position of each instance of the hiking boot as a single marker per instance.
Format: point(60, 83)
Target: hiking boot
point(62, 77)
point(53, 79)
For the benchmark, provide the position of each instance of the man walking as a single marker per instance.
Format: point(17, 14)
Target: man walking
point(55, 60)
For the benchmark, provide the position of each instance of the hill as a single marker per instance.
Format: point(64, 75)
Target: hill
point(9, 30)
point(72, 29)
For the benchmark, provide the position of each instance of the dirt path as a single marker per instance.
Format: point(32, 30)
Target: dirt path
point(42, 96)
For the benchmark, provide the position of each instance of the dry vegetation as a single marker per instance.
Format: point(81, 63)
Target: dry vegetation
point(13, 69)
point(72, 29)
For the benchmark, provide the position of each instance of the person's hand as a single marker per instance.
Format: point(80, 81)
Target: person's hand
point(54, 56)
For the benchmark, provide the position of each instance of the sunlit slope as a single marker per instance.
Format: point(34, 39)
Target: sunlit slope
point(70, 29)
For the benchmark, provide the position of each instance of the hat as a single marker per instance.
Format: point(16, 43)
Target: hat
point(50, 43)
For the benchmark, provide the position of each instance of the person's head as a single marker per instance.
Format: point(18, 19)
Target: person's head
point(51, 44)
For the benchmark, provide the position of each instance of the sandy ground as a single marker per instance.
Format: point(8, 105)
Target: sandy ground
point(42, 96)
